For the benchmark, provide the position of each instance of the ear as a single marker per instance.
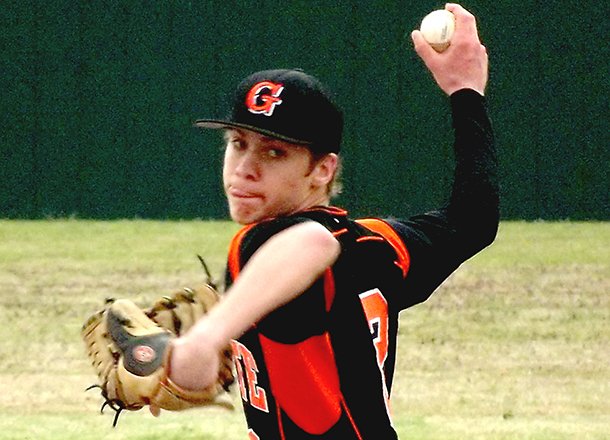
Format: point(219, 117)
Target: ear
point(324, 170)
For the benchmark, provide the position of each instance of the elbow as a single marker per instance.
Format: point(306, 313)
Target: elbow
point(486, 230)
point(489, 235)
point(478, 233)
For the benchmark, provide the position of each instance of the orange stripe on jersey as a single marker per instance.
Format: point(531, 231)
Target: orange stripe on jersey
point(370, 238)
point(329, 289)
point(351, 419)
point(305, 381)
point(339, 232)
point(233, 259)
point(393, 238)
point(280, 424)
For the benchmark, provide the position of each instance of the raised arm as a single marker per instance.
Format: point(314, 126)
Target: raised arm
point(439, 241)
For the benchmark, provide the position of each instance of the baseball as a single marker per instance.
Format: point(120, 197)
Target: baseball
point(437, 28)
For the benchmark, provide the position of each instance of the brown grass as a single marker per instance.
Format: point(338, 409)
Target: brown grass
point(514, 345)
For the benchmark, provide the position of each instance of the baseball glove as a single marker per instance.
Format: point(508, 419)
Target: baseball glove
point(129, 349)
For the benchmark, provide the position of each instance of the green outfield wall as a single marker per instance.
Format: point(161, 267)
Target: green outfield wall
point(98, 100)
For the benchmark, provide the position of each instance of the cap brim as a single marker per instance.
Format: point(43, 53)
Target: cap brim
point(220, 124)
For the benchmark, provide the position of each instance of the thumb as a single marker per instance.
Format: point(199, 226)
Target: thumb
point(423, 49)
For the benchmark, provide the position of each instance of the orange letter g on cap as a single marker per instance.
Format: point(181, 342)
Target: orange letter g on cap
point(263, 97)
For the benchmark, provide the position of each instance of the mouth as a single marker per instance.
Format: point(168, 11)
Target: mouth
point(242, 194)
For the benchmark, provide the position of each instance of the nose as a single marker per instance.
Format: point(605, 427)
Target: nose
point(247, 166)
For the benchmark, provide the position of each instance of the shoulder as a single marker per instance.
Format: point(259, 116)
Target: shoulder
point(329, 218)
point(255, 235)
point(311, 228)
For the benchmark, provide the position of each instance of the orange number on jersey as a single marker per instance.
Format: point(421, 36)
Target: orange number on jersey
point(252, 435)
point(247, 374)
point(376, 311)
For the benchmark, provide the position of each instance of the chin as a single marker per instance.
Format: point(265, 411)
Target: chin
point(243, 218)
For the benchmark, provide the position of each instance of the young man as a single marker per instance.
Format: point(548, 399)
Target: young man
point(313, 297)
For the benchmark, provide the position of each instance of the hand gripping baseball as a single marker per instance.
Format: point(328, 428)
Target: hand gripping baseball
point(464, 65)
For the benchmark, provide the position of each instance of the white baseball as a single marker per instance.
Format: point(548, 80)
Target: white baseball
point(437, 28)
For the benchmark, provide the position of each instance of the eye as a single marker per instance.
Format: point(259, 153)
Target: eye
point(236, 143)
point(275, 152)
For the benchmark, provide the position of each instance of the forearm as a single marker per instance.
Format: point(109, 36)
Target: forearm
point(439, 241)
point(473, 207)
point(283, 268)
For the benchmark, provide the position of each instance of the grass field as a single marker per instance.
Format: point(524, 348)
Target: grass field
point(515, 345)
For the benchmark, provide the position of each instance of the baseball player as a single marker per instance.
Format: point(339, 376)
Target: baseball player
point(313, 296)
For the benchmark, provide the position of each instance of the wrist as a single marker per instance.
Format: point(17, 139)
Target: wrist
point(457, 89)
point(206, 329)
point(466, 91)
point(190, 367)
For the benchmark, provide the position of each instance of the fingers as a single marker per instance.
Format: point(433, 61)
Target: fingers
point(465, 31)
point(423, 49)
point(154, 410)
point(465, 22)
point(464, 63)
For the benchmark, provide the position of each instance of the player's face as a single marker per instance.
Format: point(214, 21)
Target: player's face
point(265, 177)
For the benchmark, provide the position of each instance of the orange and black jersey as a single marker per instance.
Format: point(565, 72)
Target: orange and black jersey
point(322, 366)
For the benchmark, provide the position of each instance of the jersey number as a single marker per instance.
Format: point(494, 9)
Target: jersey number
point(375, 309)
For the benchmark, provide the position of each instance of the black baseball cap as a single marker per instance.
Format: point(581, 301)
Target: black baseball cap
point(286, 104)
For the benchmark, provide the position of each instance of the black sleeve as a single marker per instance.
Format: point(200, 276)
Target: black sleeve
point(439, 241)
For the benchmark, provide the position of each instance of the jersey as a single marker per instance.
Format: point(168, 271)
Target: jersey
point(322, 366)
